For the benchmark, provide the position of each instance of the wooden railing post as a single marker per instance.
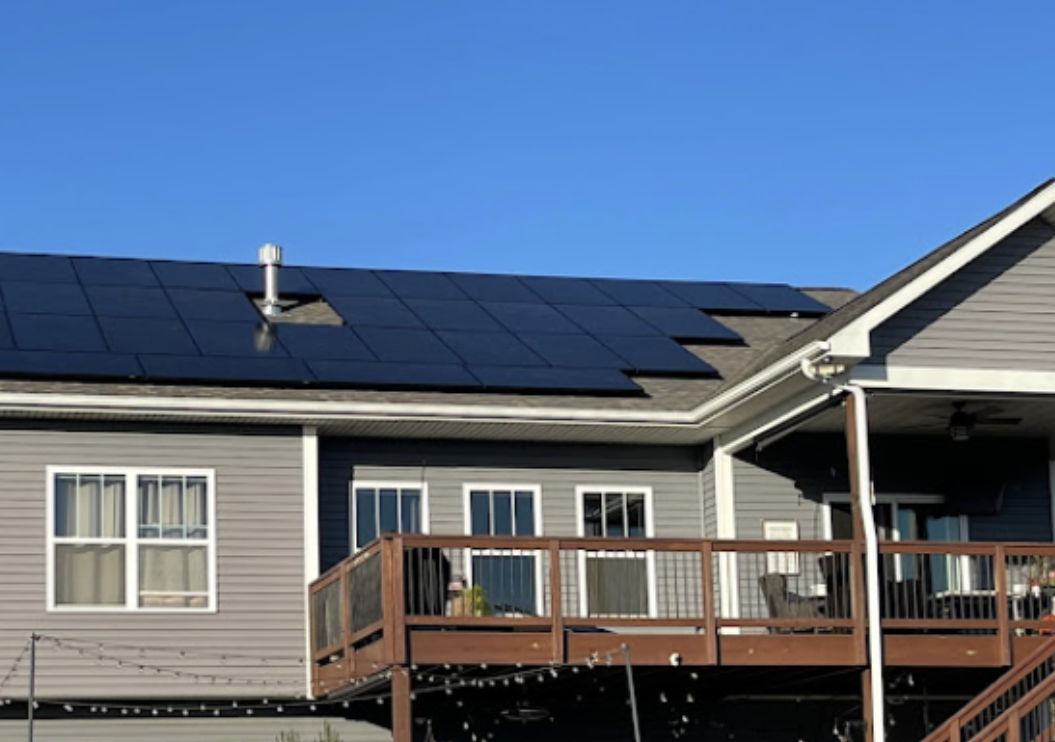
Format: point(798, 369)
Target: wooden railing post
point(710, 615)
point(556, 602)
point(1002, 603)
point(858, 604)
point(344, 594)
point(396, 625)
point(1014, 725)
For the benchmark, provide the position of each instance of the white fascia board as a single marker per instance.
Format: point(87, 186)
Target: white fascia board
point(961, 380)
point(295, 412)
point(854, 340)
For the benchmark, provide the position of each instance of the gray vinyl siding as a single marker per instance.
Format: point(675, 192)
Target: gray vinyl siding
point(998, 312)
point(709, 491)
point(763, 495)
point(242, 729)
point(1025, 512)
point(259, 531)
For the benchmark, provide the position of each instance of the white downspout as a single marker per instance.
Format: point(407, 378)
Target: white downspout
point(864, 494)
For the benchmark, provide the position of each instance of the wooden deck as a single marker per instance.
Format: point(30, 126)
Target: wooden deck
point(539, 601)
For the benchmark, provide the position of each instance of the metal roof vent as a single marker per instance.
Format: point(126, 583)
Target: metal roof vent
point(270, 258)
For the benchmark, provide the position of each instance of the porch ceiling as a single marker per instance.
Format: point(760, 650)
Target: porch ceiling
point(928, 414)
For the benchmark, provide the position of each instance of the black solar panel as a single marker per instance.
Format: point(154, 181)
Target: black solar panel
point(780, 298)
point(230, 339)
point(393, 374)
point(608, 320)
point(324, 342)
point(441, 314)
point(217, 305)
point(566, 290)
point(130, 301)
point(346, 282)
point(494, 288)
point(657, 355)
point(33, 297)
point(198, 368)
point(685, 323)
point(490, 348)
point(368, 311)
point(6, 341)
point(572, 351)
point(250, 278)
point(194, 275)
point(56, 332)
point(45, 268)
point(531, 318)
point(637, 293)
point(114, 272)
point(44, 363)
point(712, 296)
point(410, 346)
point(554, 379)
point(140, 335)
point(420, 285)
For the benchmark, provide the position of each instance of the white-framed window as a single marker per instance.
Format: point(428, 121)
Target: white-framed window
point(511, 579)
point(131, 539)
point(616, 583)
point(378, 508)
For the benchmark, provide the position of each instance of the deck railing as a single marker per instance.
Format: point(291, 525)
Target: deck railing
point(365, 609)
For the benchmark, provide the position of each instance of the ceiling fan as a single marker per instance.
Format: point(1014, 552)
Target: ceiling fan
point(962, 422)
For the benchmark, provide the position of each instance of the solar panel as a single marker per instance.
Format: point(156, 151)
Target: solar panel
point(347, 282)
point(410, 346)
point(140, 335)
point(250, 278)
point(781, 298)
point(44, 268)
point(531, 318)
point(685, 323)
point(5, 333)
point(554, 379)
point(218, 305)
point(130, 301)
point(608, 320)
point(490, 348)
point(657, 355)
point(33, 297)
point(637, 293)
point(441, 314)
point(185, 368)
point(420, 285)
point(56, 332)
point(572, 351)
point(393, 374)
point(496, 288)
point(318, 341)
point(566, 290)
point(231, 339)
point(711, 296)
point(44, 363)
point(193, 275)
point(114, 272)
point(369, 311)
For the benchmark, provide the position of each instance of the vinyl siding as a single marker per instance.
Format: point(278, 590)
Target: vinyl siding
point(243, 729)
point(708, 491)
point(998, 312)
point(260, 566)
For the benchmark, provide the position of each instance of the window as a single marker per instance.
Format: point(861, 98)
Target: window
point(618, 583)
point(131, 539)
point(386, 507)
point(509, 577)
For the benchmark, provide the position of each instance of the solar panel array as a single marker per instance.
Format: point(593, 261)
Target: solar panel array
point(196, 322)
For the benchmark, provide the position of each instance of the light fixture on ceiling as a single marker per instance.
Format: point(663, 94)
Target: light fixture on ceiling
point(960, 424)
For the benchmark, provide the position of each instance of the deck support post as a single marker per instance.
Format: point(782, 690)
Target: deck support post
point(402, 720)
point(866, 704)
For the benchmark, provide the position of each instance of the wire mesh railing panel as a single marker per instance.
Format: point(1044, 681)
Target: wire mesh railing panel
point(326, 616)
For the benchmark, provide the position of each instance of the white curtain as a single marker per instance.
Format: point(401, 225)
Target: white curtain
point(172, 570)
point(90, 574)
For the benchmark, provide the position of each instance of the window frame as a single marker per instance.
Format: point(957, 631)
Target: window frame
point(651, 590)
point(536, 506)
point(131, 540)
point(378, 484)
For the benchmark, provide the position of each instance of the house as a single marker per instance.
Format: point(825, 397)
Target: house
point(426, 506)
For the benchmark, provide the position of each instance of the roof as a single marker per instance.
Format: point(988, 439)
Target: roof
point(123, 326)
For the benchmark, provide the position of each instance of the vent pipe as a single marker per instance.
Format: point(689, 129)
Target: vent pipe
point(270, 258)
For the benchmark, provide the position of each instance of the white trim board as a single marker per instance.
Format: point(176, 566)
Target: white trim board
point(938, 379)
point(310, 471)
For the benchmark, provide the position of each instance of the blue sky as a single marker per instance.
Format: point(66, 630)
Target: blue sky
point(823, 143)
